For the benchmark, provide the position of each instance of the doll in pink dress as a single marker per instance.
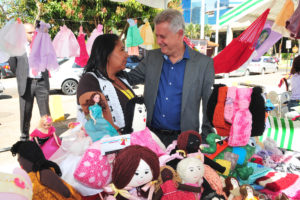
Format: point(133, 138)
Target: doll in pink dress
point(44, 135)
point(82, 59)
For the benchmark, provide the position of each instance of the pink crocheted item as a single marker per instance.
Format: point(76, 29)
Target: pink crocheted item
point(240, 131)
point(145, 139)
point(84, 57)
point(96, 32)
point(229, 104)
point(65, 43)
point(94, 169)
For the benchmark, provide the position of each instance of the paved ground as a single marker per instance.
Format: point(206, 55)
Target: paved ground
point(9, 110)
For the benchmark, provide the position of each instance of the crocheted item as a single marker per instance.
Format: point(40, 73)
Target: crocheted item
point(65, 43)
point(240, 131)
point(212, 102)
point(83, 57)
point(257, 109)
point(170, 192)
point(94, 169)
point(147, 35)
point(226, 164)
point(293, 23)
point(219, 123)
point(42, 55)
point(133, 34)
point(13, 39)
point(229, 104)
point(285, 13)
point(95, 33)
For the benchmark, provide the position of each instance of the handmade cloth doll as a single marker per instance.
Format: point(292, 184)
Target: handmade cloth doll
point(13, 39)
point(65, 43)
point(44, 135)
point(42, 55)
point(293, 23)
point(134, 167)
point(134, 38)
point(191, 172)
point(135, 120)
point(16, 186)
point(97, 127)
point(44, 174)
point(232, 188)
point(82, 59)
point(247, 193)
point(95, 33)
point(169, 186)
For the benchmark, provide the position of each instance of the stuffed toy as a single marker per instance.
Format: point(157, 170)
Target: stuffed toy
point(189, 142)
point(44, 135)
point(247, 192)
point(44, 174)
point(135, 168)
point(16, 186)
point(97, 126)
point(191, 172)
point(232, 188)
point(241, 170)
point(135, 120)
point(169, 186)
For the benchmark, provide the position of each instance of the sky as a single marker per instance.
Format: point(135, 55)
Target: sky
point(209, 3)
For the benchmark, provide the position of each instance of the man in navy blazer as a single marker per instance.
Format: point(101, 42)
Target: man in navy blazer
point(176, 80)
point(30, 85)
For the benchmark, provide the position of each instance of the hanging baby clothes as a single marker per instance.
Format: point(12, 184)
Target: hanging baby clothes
point(42, 55)
point(293, 23)
point(133, 39)
point(96, 32)
point(147, 35)
point(84, 57)
point(65, 43)
point(284, 14)
point(13, 39)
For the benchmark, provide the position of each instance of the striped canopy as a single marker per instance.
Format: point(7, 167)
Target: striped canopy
point(251, 9)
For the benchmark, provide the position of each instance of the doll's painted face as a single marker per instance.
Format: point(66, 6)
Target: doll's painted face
point(139, 117)
point(193, 172)
point(234, 183)
point(142, 175)
point(96, 98)
point(249, 191)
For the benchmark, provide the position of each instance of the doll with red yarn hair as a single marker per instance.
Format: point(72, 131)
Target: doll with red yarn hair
point(134, 167)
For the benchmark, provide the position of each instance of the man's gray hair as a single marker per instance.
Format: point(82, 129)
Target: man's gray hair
point(173, 17)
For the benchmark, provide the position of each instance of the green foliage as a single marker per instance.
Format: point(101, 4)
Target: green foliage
point(192, 31)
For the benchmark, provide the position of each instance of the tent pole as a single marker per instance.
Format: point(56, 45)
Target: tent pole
point(217, 26)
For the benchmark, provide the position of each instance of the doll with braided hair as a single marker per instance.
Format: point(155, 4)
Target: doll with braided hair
point(44, 174)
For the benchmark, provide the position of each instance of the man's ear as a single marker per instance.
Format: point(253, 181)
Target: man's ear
point(181, 33)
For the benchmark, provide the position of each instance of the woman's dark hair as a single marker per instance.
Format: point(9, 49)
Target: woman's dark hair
point(90, 101)
point(296, 65)
point(33, 153)
point(102, 47)
point(129, 112)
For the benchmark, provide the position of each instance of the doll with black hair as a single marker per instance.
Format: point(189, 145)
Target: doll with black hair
point(135, 124)
point(44, 174)
point(169, 186)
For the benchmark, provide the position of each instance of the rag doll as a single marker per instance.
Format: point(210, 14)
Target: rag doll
point(135, 168)
point(97, 127)
point(189, 142)
point(135, 120)
point(16, 186)
point(169, 186)
point(232, 188)
point(44, 174)
point(247, 192)
point(191, 172)
point(44, 135)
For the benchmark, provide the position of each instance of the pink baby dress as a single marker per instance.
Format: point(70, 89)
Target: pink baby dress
point(82, 59)
point(96, 32)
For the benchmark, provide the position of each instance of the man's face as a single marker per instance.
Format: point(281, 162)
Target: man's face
point(168, 41)
point(29, 29)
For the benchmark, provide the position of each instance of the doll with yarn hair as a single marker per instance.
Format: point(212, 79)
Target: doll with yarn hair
point(191, 172)
point(44, 135)
point(169, 186)
point(44, 174)
point(247, 192)
point(232, 188)
point(97, 126)
point(135, 120)
point(134, 168)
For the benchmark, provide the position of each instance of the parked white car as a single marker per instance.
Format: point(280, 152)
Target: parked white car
point(1, 88)
point(264, 64)
point(66, 78)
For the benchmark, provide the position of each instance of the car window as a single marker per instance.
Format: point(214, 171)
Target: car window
point(76, 66)
point(258, 60)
